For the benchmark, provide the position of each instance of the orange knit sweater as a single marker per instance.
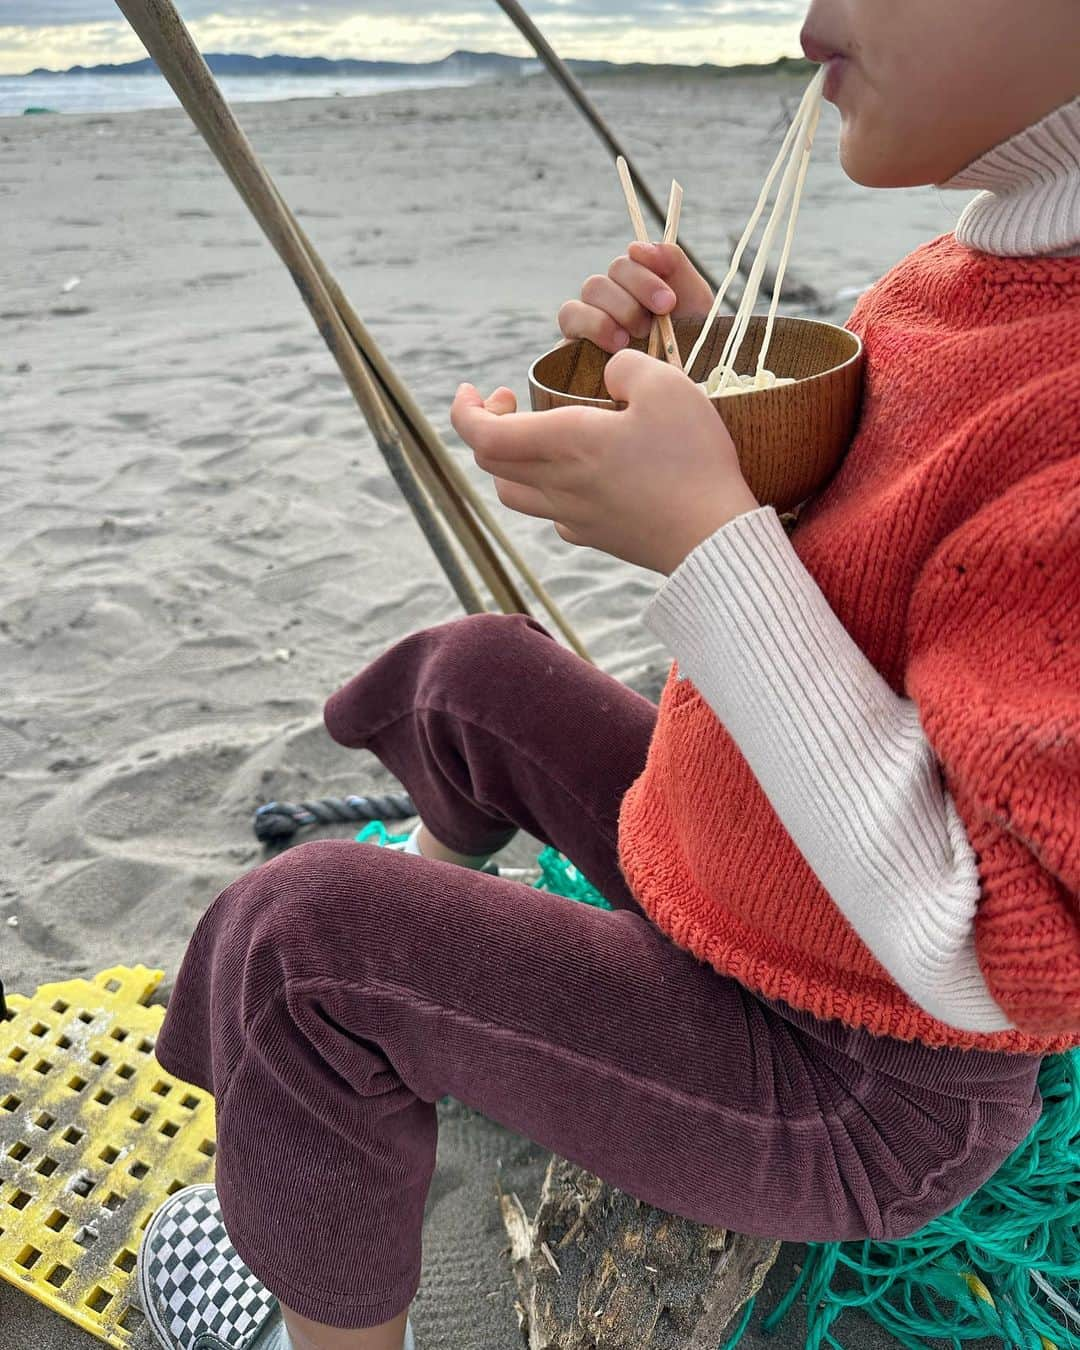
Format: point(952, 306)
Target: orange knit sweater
point(949, 546)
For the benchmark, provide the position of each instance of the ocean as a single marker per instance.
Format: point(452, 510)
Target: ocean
point(122, 93)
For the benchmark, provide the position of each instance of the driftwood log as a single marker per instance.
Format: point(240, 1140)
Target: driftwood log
point(597, 1270)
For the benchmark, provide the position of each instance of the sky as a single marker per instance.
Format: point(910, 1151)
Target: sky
point(62, 33)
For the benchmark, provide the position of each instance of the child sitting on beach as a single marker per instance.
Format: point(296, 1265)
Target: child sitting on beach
point(844, 855)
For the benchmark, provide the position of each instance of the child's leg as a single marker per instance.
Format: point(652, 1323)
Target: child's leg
point(493, 726)
point(305, 1334)
point(331, 997)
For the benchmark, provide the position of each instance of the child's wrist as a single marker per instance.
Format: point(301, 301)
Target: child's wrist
point(737, 502)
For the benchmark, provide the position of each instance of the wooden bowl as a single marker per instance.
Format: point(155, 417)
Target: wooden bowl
point(790, 439)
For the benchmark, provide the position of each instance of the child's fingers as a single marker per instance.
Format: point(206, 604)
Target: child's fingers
point(523, 498)
point(633, 375)
point(501, 440)
point(644, 286)
point(578, 320)
point(666, 260)
point(467, 412)
point(670, 263)
point(501, 402)
point(605, 294)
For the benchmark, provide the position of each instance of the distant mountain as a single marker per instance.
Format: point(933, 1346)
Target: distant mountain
point(237, 63)
point(491, 64)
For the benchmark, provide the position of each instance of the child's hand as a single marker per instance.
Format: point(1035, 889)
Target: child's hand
point(648, 279)
point(646, 484)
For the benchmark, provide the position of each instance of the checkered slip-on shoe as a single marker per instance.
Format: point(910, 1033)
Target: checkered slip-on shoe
point(195, 1290)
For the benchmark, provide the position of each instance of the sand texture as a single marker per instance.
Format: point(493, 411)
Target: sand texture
point(199, 539)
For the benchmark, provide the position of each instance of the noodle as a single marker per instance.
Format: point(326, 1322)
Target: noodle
point(796, 147)
point(741, 384)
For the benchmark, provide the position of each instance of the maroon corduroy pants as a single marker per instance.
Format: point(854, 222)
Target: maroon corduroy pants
point(331, 997)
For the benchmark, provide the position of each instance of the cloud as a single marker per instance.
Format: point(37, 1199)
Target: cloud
point(59, 33)
point(50, 13)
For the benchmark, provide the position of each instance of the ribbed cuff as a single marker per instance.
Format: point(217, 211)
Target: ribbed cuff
point(843, 759)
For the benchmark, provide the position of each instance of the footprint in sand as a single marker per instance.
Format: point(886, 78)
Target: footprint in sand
point(161, 797)
point(292, 583)
point(13, 747)
point(135, 420)
point(155, 813)
point(205, 655)
point(87, 896)
point(214, 279)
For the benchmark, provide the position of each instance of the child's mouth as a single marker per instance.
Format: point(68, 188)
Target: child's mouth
point(836, 67)
point(825, 54)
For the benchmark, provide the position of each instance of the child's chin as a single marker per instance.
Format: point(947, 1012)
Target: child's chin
point(866, 161)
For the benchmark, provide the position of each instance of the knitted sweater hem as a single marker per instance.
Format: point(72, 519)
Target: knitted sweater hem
point(696, 923)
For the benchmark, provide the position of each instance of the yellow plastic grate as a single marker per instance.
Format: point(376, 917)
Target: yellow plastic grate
point(93, 1136)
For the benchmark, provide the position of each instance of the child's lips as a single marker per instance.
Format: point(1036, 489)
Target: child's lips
point(830, 56)
point(835, 68)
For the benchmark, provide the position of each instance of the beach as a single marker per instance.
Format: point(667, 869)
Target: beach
point(200, 540)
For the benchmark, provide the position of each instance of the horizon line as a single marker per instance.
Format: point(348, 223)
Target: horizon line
point(660, 65)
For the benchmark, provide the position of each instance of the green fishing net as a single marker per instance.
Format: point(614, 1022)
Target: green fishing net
point(558, 875)
point(1004, 1265)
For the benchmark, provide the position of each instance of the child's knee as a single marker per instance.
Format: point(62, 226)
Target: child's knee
point(485, 640)
point(284, 920)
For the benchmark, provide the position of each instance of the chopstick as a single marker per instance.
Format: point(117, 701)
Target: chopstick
point(662, 322)
point(671, 234)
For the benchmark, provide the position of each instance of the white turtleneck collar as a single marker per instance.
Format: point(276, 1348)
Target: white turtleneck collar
point(1030, 202)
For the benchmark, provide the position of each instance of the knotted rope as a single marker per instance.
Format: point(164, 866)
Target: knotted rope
point(277, 822)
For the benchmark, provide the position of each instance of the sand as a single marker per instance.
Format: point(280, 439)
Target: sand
point(199, 539)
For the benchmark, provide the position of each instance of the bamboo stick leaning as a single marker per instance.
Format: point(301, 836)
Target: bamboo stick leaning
point(418, 462)
point(398, 394)
point(565, 77)
point(168, 41)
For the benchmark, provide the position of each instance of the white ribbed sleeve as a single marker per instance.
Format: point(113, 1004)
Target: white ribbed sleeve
point(843, 760)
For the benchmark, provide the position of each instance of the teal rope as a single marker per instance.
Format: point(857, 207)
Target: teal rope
point(737, 1334)
point(377, 833)
point(559, 876)
point(981, 1270)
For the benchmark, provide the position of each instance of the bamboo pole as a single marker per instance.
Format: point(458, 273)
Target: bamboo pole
point(401, 400)
point(166, 38)
point(422, 449)
point(456, 514)
point(565, 77)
